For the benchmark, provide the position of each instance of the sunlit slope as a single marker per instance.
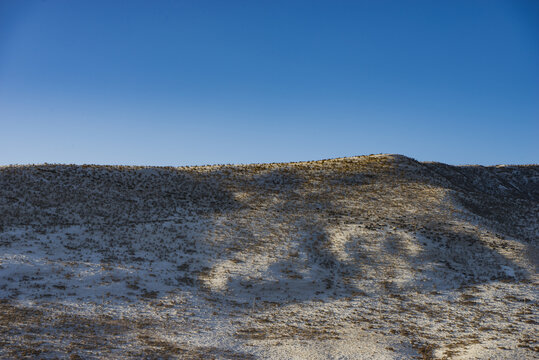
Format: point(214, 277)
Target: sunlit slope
point(273, 237)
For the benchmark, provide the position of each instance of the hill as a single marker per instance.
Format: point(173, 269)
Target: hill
point(375, 256)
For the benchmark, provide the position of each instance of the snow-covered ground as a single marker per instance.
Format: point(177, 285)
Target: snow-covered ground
point(376, 257)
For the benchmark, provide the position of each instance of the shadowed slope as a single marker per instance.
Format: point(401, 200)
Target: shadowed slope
point(276, 243)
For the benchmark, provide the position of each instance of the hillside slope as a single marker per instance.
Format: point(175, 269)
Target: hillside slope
point(375, 257)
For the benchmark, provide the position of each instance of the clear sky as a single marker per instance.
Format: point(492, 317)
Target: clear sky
point(199, 82)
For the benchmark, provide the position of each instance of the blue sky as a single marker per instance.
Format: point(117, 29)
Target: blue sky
point(203, 82)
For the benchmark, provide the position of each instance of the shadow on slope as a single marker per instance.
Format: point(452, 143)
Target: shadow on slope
point(277, 232)
point(399, 232)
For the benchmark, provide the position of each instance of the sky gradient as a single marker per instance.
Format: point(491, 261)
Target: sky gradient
point(204, 82)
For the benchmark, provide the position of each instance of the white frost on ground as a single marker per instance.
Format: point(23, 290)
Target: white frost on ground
point(322, 270)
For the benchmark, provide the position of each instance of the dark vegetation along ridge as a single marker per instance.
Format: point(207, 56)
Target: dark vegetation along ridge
point(376, 256)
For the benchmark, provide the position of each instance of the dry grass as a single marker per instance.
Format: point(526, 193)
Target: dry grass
point(281, 251)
